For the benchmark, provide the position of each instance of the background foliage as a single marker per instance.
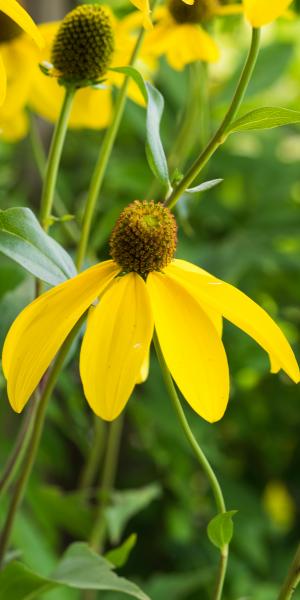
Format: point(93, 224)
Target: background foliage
point(246, 231)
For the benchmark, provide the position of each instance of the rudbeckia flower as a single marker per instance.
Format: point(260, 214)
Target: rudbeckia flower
point(15, 12)
point(180, 34)
point(142, 287)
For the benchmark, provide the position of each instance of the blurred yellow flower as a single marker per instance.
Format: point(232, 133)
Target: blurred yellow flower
point(143, 6)
point(92, 108)
point(279, 504)
point(142, 287)
point(262, 12)
point(179, 31)
point(15, 12)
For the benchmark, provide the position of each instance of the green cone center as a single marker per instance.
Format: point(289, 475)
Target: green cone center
point(144, 237)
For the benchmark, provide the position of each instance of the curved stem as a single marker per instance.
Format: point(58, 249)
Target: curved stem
point(218, 138)
point(204, 463)
point(293, 578)
point(33, 445)
point(110, 466)
point(54, 157)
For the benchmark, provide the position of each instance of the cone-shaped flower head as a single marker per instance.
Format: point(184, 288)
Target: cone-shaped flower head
point(141, 288)
point(84, 45)
point(144, 238)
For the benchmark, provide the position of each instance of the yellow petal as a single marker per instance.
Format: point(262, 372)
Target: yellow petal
point(143, 6)
point(15, 11)
point(144, 370)
point(115, 344)
point(189, 43)
point(240, 310)
point(190, 2)
point(2, 81)
point(191, 346)
point(38, 332)
point(262, 12)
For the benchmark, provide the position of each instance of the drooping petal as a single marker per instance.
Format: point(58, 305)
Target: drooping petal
point(240, 310)
point(262, 12)
point(40, 329)
point(2, 81)
point(190, 2)
point(17, 13)
point(144, 370)
point(229, 9)
point(192, 348)
point(115, 344)
point(189, 43)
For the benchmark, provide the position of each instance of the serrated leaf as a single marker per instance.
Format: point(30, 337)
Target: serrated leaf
point(154, 148)
point(23, 240)
point(119, 556)
point(80, 568)
point(268, 117)
point(220, 529)
point(203, 187)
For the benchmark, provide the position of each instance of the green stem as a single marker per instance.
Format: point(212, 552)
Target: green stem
point(104, 156)
point(293, 578)
point(16, 456)
point(220, 134)
point(41, 162)
point(33, 445)
point(110, 466)
point(92, 465)
point(205, 465)
point(54, 157)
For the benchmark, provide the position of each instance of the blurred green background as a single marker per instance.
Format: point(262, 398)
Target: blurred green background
point(245, 231)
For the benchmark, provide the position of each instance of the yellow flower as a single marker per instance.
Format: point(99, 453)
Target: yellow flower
point(15, 12)
point(179, 31)
point(262, 12)
point(92, 108)
point(143, 6)
point(142, 287)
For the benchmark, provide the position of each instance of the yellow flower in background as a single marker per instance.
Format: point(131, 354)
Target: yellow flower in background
point(179, 31)
point(262, 12)
point(142, 287)
point(15, 12)
point(143, 6)
point(92, 108)
point(279, 504)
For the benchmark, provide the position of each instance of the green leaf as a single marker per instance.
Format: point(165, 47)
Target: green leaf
point(136, 76)
point(154, 148)
point(125, 505)
point(119, 556)
point(80, 568)
point(265, 118)
point(203, 187)
point(23, 240)
point(220, 529)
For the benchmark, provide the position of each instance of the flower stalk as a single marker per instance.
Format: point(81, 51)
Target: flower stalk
point(54, 157)
point(220, 134)
point(292, 580)
point(201, 458)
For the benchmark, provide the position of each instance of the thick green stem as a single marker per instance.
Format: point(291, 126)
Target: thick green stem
point(215, 486)
point(33, 445)
point(54, 158)
point(110, 466)
point(220, 134)
point(293, 578)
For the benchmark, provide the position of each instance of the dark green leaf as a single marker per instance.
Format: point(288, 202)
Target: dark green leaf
point(136, 76)
point(265, 118)
point(23, 239)
point(220, 529)
point(154, 148)
point(125, 505)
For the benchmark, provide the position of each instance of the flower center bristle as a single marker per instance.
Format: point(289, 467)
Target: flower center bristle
point(144, 237)
point(198, 12)
point(84, 44)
